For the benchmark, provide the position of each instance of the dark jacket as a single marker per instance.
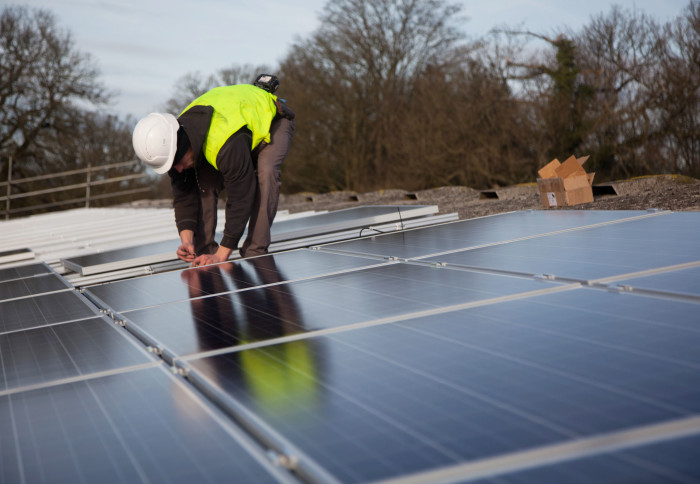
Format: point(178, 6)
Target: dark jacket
point(234, 163)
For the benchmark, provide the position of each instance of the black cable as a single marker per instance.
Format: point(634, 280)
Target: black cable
point(381, 231)
point(371, 228)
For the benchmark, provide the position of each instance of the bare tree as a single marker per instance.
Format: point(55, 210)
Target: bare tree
point(387, 94)
point(624, 90)
point(43, 81)
point(464, 128)
point(352, 83)
point(560, 98)
point(619, 52)
point(192, 85)
point(677, 88)
point(50, 122)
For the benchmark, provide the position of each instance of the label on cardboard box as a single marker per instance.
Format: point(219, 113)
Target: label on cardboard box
point(552, 198)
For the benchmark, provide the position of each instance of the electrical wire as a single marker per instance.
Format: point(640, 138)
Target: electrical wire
point(382, 231)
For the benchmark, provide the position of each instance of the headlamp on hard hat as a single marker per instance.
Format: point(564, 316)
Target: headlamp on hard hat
point(267, 82)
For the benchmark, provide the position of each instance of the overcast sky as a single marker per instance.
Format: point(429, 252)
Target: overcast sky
point(143, 47)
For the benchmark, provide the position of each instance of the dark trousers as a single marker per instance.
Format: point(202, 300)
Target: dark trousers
point(269, 163)
point(270, 158)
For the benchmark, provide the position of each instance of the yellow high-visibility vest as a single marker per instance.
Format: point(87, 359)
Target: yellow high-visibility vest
point(235, 107)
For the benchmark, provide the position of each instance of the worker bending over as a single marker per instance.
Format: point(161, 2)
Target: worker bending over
point(233, 138)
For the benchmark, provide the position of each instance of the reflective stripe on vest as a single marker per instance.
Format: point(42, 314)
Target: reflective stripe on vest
point(235, 107)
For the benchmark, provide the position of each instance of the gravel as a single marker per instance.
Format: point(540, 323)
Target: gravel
point(667, 192)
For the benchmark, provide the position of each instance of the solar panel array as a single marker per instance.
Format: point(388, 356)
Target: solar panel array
point(285, 234)
point(539, 346)
point(82, 401)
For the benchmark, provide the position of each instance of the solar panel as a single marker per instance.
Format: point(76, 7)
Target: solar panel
point(432, 355)
point(232, 276)
point(44, 309)
point(117, 259)
point(479, 232)
point(42, 355)
point(20, 272)
point(366, 231)
point(683, 281)
point(346, 219)
point(659, 461)
point(35, 285)
point(593, 253)
point(140, 426)
point(281, 231)
point(256, 314)
point(464, 386)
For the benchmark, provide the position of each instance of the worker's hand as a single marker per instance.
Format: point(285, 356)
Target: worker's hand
point(186, 252)
point(221, 255)
point(206, 259)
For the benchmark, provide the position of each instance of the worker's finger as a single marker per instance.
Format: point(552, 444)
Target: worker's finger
point(185, 256)
point(185, 253)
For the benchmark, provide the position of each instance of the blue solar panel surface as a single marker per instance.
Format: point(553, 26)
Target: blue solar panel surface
point(139, 426)
point(322, 223)
point(263, 313)
point(479, 232)
point(593, 253)
point(539, 346)
point(43, 310)
point(682, 281)
point(124, 254)
point(60, 351)
point(12, 273)
point(472, 384)
point(170, 287)
point(665, 461)
point(30, 286)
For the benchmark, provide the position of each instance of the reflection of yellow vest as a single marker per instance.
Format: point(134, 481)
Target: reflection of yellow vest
point(235, 107)
point(279, 374)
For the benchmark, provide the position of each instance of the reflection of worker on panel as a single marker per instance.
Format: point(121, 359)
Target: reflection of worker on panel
point(269, 375)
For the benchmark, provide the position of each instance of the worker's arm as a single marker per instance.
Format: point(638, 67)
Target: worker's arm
point(186, 204)
point(185, 200)
point(236, 166)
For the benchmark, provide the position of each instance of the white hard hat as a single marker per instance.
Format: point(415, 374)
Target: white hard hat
point(155, 141)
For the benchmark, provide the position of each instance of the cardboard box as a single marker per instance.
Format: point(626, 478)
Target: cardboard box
point(565, 184)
